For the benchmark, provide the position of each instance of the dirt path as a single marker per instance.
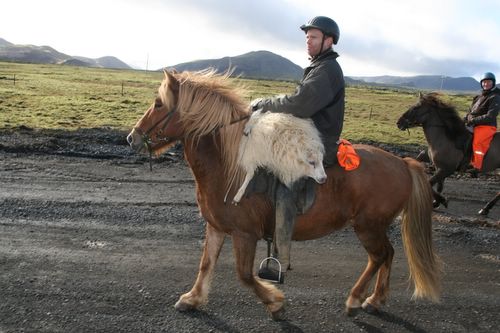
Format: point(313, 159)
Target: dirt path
point(91, 241)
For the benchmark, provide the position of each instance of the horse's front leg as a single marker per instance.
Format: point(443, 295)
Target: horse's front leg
point(423, 156)
point(244, 251)
point(438, 178)
point(199, 293)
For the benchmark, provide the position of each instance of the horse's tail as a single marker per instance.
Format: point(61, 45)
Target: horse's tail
point(425, 266)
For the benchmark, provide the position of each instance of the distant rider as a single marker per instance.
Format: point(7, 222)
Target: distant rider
point(482, 118)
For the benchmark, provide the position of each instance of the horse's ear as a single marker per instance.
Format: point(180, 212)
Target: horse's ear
point(170, 75)
point(173, 83)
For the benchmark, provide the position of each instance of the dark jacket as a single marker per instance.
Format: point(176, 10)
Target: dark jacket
point(319, 96)
point(484, 108)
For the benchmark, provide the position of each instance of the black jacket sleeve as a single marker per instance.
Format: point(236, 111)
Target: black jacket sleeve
point(312, 94)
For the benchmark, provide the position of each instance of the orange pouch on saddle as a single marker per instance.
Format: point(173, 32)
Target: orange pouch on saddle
point(347, 156)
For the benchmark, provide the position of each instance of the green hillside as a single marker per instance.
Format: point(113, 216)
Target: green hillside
point(52, 96)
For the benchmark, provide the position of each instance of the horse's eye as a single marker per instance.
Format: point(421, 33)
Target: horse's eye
point(313, 163)
point(158, 103)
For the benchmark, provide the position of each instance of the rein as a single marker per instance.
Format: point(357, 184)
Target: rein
point(421, 124)
point(148, 142)
point(232, 122)
point(146, 139)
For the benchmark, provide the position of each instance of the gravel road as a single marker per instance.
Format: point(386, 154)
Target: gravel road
point(92, 241)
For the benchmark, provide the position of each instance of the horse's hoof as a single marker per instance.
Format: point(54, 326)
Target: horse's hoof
point(483, 212)
point(368, 308)
point(183, 307)
point(437, 203)
point(279, 315)
point(445, 203)
point(351, 312)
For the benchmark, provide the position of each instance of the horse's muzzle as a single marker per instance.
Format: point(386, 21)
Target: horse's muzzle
point(130, 139)
point(134, 139)
point(403, 124)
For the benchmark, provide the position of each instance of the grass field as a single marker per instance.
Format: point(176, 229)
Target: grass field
point(65, 97)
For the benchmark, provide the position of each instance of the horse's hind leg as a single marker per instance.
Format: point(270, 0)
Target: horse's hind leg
point(380, 255)
point(486, 209)
point(199, 293)
point(244, 251)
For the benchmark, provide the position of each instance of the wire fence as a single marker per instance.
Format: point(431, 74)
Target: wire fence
point(13, 78)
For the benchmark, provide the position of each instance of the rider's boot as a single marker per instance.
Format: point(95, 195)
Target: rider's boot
point(286, 212)
point(331, 149)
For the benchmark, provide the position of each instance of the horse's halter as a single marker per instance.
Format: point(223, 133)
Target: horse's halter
point(148, 141)
point(406, 122)
point(414, 123)
point(409, 124)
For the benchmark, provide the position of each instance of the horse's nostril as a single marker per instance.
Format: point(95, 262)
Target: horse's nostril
point(130, 139)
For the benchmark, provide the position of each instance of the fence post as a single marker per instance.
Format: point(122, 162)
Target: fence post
point(122, 88)
point(14, 79)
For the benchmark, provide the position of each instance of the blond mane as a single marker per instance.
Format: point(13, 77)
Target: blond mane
point(207, 103)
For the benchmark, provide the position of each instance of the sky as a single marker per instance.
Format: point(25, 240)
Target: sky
point(377, 37)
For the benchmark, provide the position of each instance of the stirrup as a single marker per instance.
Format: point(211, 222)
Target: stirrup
point(269, 273)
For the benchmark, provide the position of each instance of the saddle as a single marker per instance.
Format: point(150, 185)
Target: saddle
point(304, 190)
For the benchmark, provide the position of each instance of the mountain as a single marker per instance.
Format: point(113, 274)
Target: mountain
point(47, 55)
point(3, 42)
point(105, 62)
point(256, 64)
point(426, 82)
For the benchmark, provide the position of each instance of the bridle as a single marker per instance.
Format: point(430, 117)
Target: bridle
point(409, 124)
point(149, 142)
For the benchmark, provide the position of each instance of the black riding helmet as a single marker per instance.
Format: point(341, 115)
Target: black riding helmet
point(326, 25)
point(488, 76)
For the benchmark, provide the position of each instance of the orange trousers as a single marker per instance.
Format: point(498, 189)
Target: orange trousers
point(480, 144)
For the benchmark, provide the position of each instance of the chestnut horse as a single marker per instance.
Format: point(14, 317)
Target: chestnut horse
point(206, 113)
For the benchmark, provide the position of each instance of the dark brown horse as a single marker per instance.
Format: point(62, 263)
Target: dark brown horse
point(202, 110)
point(447, 138)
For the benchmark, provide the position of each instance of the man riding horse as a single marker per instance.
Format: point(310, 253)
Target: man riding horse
point(481, 119)
point(319, 96)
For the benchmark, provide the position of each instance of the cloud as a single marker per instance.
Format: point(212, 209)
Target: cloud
point(276, 20)
point(449, 37)
point(396, 59)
